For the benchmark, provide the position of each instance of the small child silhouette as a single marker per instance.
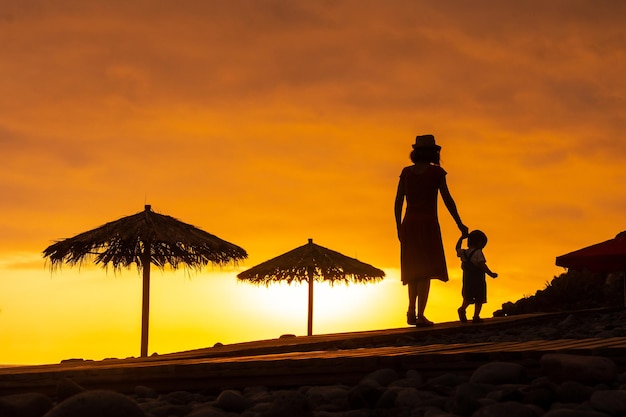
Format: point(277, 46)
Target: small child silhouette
point(474, 268)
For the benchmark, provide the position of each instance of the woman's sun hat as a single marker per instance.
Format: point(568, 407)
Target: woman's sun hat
point(425, 141)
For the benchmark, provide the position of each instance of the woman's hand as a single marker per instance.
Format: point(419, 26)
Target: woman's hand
point(464, 230)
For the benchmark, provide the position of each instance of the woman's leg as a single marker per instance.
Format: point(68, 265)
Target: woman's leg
point(423, 288)
point(410, 314)
point(412, 296)
point(462, 311)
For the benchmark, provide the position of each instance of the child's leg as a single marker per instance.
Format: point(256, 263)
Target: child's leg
point(477, 308)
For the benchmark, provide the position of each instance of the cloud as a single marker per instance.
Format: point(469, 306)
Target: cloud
point(274, 118)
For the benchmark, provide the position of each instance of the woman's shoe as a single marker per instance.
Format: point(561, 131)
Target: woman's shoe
point(462, 315)
point(411, 320)
point(423, 322)
point(477, 320)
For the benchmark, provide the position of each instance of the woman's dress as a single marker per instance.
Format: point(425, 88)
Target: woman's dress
point(421, 254)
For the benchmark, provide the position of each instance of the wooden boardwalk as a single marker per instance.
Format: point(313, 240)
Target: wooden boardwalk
point(298, 361)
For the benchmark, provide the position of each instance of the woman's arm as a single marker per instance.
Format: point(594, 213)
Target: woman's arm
point(451, 206)
point(399, 202)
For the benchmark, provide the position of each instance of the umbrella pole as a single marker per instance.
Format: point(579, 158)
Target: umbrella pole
point(145, 305)
point(310, 325)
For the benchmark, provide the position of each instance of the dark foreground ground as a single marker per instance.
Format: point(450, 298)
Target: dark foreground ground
point(557, 364)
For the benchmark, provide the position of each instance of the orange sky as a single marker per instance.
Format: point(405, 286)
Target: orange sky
point(271, 122)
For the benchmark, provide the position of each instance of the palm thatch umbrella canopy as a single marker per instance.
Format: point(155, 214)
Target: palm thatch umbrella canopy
point(143, 239)
point(311, 263)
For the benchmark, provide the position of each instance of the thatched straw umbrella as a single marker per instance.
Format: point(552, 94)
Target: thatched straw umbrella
point(309, 263)
point(143, 239)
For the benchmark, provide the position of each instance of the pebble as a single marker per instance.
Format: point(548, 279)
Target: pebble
point(494, 389)
point(567, 386)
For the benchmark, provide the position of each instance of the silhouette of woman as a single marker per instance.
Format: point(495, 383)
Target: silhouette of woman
point(421, 247)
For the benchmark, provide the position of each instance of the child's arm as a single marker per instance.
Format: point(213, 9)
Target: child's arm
point(486, 270)
point(458, 246)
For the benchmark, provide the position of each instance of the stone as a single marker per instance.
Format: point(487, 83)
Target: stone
point(97, 403)
point(542, 393)
point(387, 399)
point(330, 398)
point(498, 373)
point(565, 412)
point(181, 397)
point(408, 397)
point(412, 379)
point(208, 412)
point(466, 398)
point(231, 400)
point(586, 369)
point(145, 392)
point(609, 401)
point(447, 380)
point(384, 376)
point(67, 388)
point(24, 405)
point(508, 409)
point(365, 394)
point(573, 392)
point(289, 404)
point(170, 410)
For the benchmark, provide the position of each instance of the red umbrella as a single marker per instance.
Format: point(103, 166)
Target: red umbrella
point(608, 256)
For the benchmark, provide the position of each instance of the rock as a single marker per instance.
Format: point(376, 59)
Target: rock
point(565, 412)
point(573, 392)
point(170, 410)
point(609, 401)
point(408, 397)
point(586, 369)
point(387, 399)
point(466, 398)
point(181, 397)
point(407, 383)
point(142, 391)
point(97, 404)
point(541, 393)
point(231, 400)
point(383, 376)
point(412, 379)
point(208, 412)
point(24, 405)
point(508, 409)
point(365, 394)
point(289, 404)
point(329, 398)
point(499, 373)
point(67, 388)
point(447, 380)
point(508, 392)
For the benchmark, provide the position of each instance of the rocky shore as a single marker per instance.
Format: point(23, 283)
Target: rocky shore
point(567, 386)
